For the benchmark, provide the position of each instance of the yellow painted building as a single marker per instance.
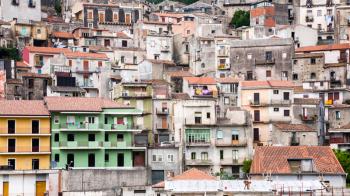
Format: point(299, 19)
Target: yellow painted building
point(24, 135)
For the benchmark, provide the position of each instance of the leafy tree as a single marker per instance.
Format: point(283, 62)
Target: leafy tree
point(246, 166)
point(224, 175)
point(240, 18)
point(9, 53)
point(58, 7)
point(344, 160)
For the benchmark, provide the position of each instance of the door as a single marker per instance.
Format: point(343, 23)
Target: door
point(5, 188)
point(256, 98)
point(86, 65)
point(70, 160)
point(256, 115)
point(40, 188)
point(120, 160)
point(91, 160)
point(139, 159)
point(164, 123)
point(35, 145)
point(256, 135)
point(11, 145)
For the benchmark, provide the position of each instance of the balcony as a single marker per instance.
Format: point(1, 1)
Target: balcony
point(309, 18)
point(136, 94)
point(163, 111)
point(122, 127)
point(76, 145)
point(117, 145)
point(198, 122)
point(162, 126)
point(223, 53)
point(203, 93)
point(85, 84)
point(224, 66)
point(198, 143)
point(87, 71)
point(307, 119)
point(265, 62)
point(24, 131)
point(4, 150)
point(38, 63)
point(199, 162)
point(275, 102)
point(233, 143)
point(231, 161)
point(79, 127)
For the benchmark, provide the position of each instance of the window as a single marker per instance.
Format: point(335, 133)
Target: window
point(127, 18)
point(11, 163)
point(268, 73)
point(70, 160)
point(101, 17)
point(91, 160)
point(337, 115)
point(122, 59)
point(120, 137)
point(286, 112)
point(208, 114)
point(35, 126)
point(319, 12)
point(56, 119)
point(70, 137)
point(268, 55)
point(91, 137)
point(276, 92)
point(35, 164)
point(295, 76)
point(203, 65)
point(106, 137)
point(57, 157)
point(321, 83)
point(115, 17)
point(256, 135)
point(134, 60)
point(313, 75)
point(106, 157)
point(313, 61)
point(235, 135)
point(193, 155)
point(285, 96)
point(156, 56)
point(226, 100)
point(221, 154)
point(124, 43)
point(284, 74)
point(56, 137)
point(11, 145)
point(276, 109)
point(91, 120)
point(11, 126)
point(30, 83)
point(249, 75)
point(204, 156)
point(170, 158)
point(70, 120)
point(90, 15)
point(35, 145)
point(219, 134)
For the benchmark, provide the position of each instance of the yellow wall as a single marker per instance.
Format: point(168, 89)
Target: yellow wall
point(24, 162)
point(24, 143)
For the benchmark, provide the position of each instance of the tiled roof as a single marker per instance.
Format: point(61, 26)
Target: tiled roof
point(179, 73)
point(123, 35)
point(23, 108)
point(64, 35)
point(294, 127)
point(227, 80)
point(327, 65)
point(48, 50)
point(309, 55)
point(268, 84)
point(274, 159)
point(21, 64)
point(173, 15)
point(200, 80)
point(323, 48)
point(80, 104)
point(182, 96)
point(87, 55)
point(35, 75)
point(191, 174)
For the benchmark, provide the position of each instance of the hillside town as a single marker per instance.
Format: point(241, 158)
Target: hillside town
point(174, 98)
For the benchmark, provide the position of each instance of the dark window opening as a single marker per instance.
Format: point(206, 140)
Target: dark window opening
point(35, 126)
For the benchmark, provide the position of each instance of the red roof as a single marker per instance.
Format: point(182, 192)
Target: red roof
point(200, 80)
point(268, 84)
point(323, 48)
point(123, 35)
point(48, 50)
point(21, 64)
point(179, 73)
point(227, 80)
point(80, 104)
point(191, 174)
point(274, 159)
point(23, 108)
point(64, 35)
point(86, 55)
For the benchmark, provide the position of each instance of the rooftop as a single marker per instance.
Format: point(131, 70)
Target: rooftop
point(274, 159)
point(323, 48)
point(267, 84)
point(200, 80)
point(47, 50)
point(87, 55)
point(64, 35)
point(23, 108)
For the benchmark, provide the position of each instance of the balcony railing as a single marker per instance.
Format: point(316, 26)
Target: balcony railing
point(79, 126)
point(308, 118)
point(193, 121)
point(272, 102)
point(117, 144)
point(163, 111)
point(140, 94)
point(203, 143)
point(80, 145)
point(265, 62)
point(231, 161)
point(199, 162)
point(25, 149)
point(223, 52)
point(280, 102)
point(233, 143)
point(224, 66)
point(121, 127)
point(162, 126)
point(86, 84)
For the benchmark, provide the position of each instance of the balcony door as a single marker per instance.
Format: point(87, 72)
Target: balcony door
point(120, 160)
point(35, 145)
point(256, 115)
point(11, 145)
point(256, 98)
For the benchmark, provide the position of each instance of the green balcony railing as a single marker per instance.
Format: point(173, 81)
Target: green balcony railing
point(80, 144)
point(77, 126)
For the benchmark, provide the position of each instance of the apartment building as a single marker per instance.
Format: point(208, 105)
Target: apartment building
point(268, 102)
point(21, 10)
point(93, 133)
point(342, 23)
point(338, 126)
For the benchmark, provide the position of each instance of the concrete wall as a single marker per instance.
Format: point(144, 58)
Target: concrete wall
point(22, 12)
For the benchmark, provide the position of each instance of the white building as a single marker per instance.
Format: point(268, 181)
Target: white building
point(21, 10)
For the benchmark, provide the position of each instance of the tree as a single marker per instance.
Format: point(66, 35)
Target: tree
point(240, 18)
point(344, 160)
point(58, 7)
point(9, 53)
point(246, 166)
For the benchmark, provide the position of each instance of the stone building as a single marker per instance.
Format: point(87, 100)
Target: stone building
point(262, 59)
point(294, 135)
point(21, 10)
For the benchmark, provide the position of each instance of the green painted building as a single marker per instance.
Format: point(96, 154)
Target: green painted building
point(138, 95)
point(93, 133)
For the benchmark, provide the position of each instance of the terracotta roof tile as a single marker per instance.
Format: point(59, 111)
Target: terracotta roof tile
point(80, 104)
point(200, 80)
point(22, 64)
point(182, 96)
point(274, 159)
point(35, 75)
point(64, 35)
point(323, 48)
point(294, 127)
point(179, 73)
point(87, 55)
point(161, 62)
point(268, 84)
point(227, 80)
point(48, 50)
point(23, 108)
point(123, 35)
